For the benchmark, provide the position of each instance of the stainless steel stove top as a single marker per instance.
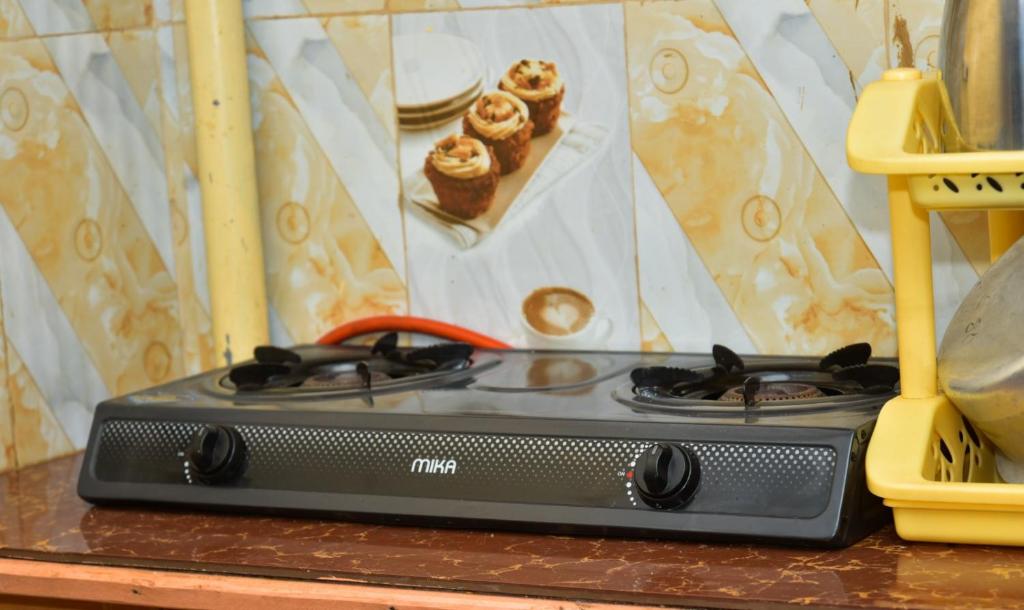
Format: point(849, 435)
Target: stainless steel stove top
point(683, 445)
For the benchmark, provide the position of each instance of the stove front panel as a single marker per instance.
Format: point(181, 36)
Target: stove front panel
point(736, 478)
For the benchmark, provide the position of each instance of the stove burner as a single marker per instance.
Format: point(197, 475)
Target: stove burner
point(839, 379)
point(343, 376)
point(346, 368)
point(774, 392)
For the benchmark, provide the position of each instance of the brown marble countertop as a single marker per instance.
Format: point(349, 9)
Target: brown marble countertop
point(42, 518)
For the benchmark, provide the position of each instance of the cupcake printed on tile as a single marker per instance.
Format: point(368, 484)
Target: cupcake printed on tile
point(537, 83)
point(444, 84)
point(502, 121)
point(513, 104)
point(464, 174)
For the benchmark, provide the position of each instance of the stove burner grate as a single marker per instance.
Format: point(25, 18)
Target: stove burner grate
point(840, 378)
point(353, 370)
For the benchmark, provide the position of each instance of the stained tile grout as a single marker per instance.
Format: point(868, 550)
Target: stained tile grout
point(398, 168)
point(632, 180)
point(5, 376)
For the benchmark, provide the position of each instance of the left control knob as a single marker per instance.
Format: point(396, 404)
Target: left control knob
point(216, 454)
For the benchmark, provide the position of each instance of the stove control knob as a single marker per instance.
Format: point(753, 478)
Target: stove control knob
point(667, 475)
point(216, 454)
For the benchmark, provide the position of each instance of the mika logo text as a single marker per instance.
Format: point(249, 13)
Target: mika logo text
point(433, 466)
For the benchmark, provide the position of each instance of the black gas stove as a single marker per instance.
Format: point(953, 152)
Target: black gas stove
point(641, 444)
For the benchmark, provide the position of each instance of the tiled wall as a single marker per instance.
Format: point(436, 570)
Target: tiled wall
point(700, 193)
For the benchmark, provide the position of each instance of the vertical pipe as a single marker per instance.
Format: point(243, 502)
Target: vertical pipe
point(915, 307)
point(227, 176)
point(1005, 227)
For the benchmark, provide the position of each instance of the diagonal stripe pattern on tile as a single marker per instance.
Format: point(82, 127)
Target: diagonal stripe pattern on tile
point(324, 264)
point(796, 272)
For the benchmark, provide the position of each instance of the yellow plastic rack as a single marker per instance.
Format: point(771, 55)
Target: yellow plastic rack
point(935, 471)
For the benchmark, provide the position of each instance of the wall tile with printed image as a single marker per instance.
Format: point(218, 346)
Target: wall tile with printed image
point(537, 247)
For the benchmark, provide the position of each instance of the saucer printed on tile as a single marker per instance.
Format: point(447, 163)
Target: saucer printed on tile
point(432, 70)
point(462, 101)
point(447, 113)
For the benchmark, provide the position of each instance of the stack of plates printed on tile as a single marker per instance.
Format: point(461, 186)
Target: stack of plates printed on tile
point(437, 78)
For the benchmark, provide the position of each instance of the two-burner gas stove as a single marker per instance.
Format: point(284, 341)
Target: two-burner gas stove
point(640, 444)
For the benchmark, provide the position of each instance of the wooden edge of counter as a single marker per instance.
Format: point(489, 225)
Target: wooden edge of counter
point(144, 587)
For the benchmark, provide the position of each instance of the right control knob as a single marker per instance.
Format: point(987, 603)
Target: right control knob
point(667, 475)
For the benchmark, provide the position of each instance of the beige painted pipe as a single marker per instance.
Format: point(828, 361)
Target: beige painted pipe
point(227, 176)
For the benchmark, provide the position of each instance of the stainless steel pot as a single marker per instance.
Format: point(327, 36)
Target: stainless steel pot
point(981, 359)
point(981, 58)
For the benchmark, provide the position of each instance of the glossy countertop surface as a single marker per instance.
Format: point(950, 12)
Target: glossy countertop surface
point(41, 517)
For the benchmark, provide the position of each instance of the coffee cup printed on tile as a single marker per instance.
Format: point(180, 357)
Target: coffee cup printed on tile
point(558, 317)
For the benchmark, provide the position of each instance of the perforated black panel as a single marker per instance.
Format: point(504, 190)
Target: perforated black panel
point(736, 478)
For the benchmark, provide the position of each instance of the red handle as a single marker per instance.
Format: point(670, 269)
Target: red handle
point(425, 326)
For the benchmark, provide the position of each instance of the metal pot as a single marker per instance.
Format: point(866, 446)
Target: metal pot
point(980, 54)
point(981, 359)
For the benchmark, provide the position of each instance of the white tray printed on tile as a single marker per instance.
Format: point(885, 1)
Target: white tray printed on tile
point(577, 143)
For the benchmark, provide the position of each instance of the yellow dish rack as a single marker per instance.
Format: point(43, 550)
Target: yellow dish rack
point(935, 471)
